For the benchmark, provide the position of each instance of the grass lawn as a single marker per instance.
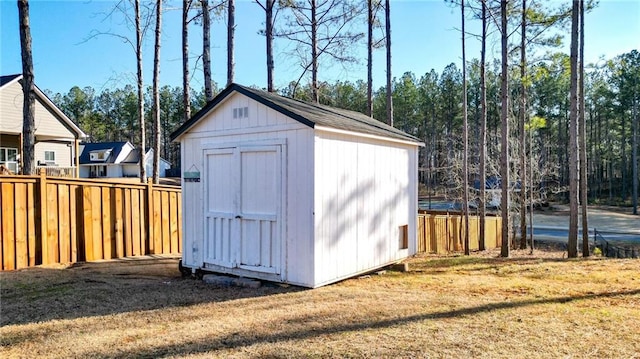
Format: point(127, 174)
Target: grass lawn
point(539, 306)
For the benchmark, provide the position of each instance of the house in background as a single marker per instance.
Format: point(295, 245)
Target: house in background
point(115, 159)
point(56, 136)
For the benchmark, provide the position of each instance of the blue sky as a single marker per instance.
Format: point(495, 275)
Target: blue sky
point(425, 36)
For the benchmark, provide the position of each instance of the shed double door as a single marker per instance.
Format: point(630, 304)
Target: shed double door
point(243, 197)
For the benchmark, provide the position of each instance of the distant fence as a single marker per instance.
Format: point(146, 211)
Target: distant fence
point(47, 220)
point(55, 171)
point(609, 249)
point(443, 232)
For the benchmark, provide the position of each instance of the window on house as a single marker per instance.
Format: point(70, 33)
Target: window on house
point(50, 156)
point(100, 155)
point(9, 158)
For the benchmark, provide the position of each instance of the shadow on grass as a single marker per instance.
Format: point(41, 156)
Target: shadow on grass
point(105, 288)
point(491, 262)
point(239, 340)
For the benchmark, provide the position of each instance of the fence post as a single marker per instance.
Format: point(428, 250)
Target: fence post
point(150, 238)
point(44, 218)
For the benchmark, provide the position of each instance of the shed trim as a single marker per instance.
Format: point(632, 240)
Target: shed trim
point(366, 135)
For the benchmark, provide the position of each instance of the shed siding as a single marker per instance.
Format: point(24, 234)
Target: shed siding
point(364, 191)
point(11, 100)
point(220, 129)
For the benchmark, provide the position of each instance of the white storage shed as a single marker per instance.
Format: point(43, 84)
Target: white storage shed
point(289, 191)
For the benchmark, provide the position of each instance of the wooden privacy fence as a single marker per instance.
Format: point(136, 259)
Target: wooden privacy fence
point(440, 232)
point(47, 220)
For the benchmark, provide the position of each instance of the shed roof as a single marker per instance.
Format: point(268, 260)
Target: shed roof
point(310, 114)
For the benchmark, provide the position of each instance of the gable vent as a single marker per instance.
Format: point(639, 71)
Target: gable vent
point(241, 112)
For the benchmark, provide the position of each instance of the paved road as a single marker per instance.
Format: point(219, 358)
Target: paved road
point(612, 225)
point(561, 234)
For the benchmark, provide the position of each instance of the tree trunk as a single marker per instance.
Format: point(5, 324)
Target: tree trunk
point(504, 153)
point(521, 139)
point(583, 144)
point(186, 92)
point(387, 13)
point(370, 58)
point(269, 35)
point(634, 153)
point(231, 28)
point(572, 244)
point(483, 129)
point(156, 94)
point(314, 53)
point(141, 147)
point(206, 49)
point(27, 159)
point(465, 140)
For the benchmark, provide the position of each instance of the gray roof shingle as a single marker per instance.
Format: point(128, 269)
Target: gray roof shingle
point(310, 114)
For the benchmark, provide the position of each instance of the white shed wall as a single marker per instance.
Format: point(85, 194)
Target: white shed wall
point(365, 189)
point(219, 129)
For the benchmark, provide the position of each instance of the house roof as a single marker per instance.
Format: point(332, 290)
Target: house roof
point(4, 80)
point(134, 156)
point(115, 147)
point(310, 114)
point(46, 101)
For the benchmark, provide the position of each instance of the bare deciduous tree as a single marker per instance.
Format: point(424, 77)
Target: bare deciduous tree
point(321, 29)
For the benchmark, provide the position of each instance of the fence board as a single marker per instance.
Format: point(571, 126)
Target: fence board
point(53, 254)
point(87, 224)
point(157, 224)
point(31, 225)
point(96, 222)
point(179, 211)
point(64, 224)
point(20, 218)
point(106, 223)
point(128, 241)
point(135, 221)
point(119, 235)
point(74, 211)
point(166, 247)
point(173, 222)
point(8, 229)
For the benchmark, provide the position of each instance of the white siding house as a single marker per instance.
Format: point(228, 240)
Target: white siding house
point(284, 190)
point(116, 159)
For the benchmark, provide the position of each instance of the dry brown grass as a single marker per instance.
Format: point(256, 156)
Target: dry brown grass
point(480, 306)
